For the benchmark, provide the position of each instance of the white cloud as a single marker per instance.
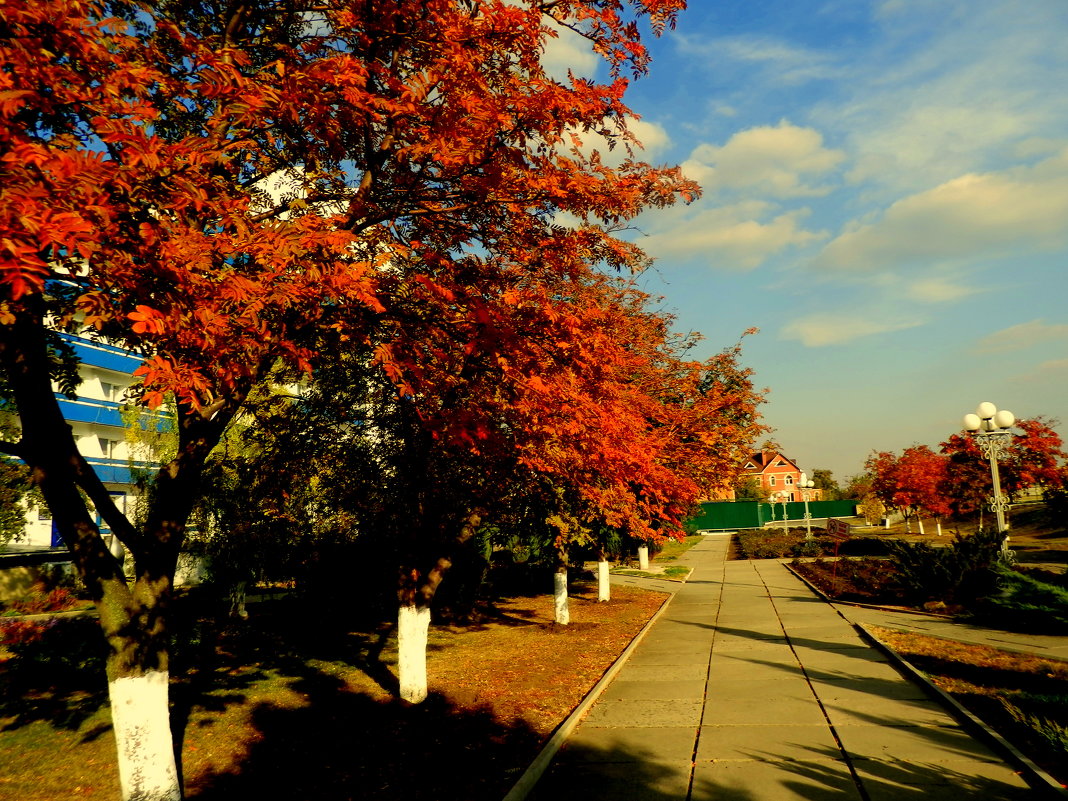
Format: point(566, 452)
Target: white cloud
point(938, 290)
point(772, 159)
point(731, 237)
point(820, 330)
point(568, 51)
point(785, 62)
point(653, 137)
point(1024, 335)
point(1024, 209)
point(948, 88)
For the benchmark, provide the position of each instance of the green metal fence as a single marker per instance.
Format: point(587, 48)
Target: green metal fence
point(732, 515)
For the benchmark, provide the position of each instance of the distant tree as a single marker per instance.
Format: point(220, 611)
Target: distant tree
point(824, 480)
point(14, 485)
point(920, 477)
point(1035, 457)
point(858, 487)
point(771, 445)
point(750, 488)
point(872, 508)
point(911, 482)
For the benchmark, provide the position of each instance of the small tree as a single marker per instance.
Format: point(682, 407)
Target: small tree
point(824, 480)
point(751, 489)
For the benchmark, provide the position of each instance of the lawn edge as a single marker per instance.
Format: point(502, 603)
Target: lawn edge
point(526, 783)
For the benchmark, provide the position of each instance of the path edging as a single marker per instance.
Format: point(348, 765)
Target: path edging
point(521, 789)
point(1035, 776)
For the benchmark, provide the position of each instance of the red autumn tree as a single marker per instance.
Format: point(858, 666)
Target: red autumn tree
point(1034, 457)
point(215, 185)
point(911, 482)
point(920, 475)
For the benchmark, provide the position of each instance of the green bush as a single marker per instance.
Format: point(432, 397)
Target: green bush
point(1044, 715)
point(960, 572)
point(1023, 603)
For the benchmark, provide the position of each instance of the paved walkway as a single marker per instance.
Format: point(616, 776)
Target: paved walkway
point(750, 688)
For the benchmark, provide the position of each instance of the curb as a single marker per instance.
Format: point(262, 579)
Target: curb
point(522, 788)
point(1035, 776)
point(1032, 773)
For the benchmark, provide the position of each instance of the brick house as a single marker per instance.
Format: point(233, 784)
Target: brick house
point(778, 475)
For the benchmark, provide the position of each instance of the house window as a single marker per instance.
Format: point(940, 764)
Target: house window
point(109, 447)
point(789, 481)
point(771, 481)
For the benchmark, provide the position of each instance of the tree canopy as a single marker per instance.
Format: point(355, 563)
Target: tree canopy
point(225, 189)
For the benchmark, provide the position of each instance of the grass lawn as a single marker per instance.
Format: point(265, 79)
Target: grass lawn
point(296, 705)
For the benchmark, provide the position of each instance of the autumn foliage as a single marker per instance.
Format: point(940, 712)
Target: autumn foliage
point(241, 191)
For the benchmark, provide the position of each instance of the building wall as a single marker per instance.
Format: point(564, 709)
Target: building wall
point(96, 421)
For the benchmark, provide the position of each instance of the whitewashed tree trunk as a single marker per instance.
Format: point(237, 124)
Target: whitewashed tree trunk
point(604, 593)
point(141, 718)
point(919, 521)
point(563, 613)
point(938, 527)
point(643, 557)
point(413, 623)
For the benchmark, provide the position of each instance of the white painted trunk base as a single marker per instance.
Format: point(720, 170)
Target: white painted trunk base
point(563, 613)
point(643, 557)
point(604, 593)
point(919, 520)
point(938, 527)
point(141, 717)
point(413, 623)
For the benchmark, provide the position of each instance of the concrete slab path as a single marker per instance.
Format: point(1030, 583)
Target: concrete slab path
point(748, 687)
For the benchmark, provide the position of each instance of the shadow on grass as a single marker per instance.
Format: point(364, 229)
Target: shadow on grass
point(343, 745)
point(55, 675)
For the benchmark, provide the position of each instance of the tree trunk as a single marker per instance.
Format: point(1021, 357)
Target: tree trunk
point(563, 613)
point(141, 717)
point(413, 625)
point(919, 522)
point(938, 527)
point(604, 592)
point(643, 557)
point(417, 590)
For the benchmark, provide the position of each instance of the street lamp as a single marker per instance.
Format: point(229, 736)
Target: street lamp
point(806, 484)
point(992, 434)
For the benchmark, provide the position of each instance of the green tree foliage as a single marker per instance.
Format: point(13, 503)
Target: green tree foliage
point(824, 480)
point(750, 488)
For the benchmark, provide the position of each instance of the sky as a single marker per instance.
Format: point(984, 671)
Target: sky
point(885, 196)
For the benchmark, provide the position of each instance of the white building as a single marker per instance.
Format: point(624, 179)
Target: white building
point(96, 420)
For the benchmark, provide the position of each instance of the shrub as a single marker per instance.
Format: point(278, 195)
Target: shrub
point(960, 572)
point(42, 600)
point(774, 543)
point(1024, 603)
point(1039, 713)
point(58, 651)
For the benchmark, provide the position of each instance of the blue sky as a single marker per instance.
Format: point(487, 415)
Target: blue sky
point(885, 197)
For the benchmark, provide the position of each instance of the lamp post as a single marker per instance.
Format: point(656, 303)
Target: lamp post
point(785, 519)
point(992, 434)
point(806, 484)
